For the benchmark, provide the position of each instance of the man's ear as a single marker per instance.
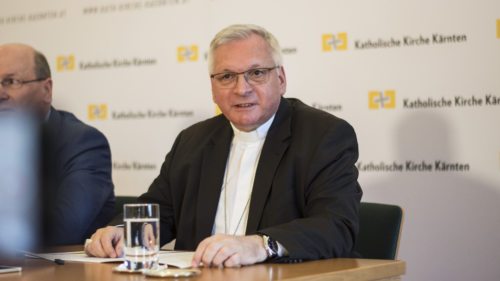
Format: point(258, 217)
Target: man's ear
point(47, 91)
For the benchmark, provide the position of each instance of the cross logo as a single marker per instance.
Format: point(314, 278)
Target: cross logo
point(65, 63)
point(187, 53)
point(385, 99)
point(336, 42)
point(97, 112)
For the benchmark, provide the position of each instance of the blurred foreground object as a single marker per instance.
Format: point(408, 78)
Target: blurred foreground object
point(19, 219)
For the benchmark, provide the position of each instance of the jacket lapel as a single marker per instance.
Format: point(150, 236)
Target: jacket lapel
point(212, 173)
point(275, 145)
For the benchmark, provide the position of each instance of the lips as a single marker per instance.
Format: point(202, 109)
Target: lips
point(244, 105)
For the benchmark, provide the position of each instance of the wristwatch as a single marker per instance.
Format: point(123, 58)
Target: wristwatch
point(271, 246)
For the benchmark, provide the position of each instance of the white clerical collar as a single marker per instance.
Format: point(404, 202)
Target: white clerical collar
point(255, 135)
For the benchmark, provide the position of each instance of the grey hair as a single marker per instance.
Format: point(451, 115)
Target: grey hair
point(42, 68)
point(243, 31)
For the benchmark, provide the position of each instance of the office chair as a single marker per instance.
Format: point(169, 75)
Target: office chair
point(379, 231)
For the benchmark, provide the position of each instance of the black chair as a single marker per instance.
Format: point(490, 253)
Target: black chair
point(122, 200)
point(379, 230)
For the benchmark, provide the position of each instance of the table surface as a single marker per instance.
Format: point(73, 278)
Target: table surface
point(330, 269)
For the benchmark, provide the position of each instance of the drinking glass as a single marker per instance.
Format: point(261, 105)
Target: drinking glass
point(142, 235)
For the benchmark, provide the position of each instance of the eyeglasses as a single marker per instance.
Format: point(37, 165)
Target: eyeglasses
point(254, 76)
point(10, 83)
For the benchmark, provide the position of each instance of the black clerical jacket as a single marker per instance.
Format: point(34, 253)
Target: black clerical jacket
point(305, 193)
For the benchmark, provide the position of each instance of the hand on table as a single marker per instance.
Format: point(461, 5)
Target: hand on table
point(106, 243)
point(229, 251)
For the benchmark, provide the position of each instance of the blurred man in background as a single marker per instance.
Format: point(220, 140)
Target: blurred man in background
point(76, 184)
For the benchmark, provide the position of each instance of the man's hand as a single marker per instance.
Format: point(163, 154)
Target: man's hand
point(106, 243)
point(148, 236)
point(229, 251)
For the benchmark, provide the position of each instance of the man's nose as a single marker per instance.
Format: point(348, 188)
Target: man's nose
point(242, 87)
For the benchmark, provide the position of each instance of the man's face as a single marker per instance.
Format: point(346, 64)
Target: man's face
point(17, 62)
point(247, 106)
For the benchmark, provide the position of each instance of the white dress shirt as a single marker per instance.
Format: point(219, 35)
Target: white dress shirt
point(238, 180)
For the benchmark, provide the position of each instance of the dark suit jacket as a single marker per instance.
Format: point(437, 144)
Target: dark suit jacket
point(305, 194)
point(77, 185)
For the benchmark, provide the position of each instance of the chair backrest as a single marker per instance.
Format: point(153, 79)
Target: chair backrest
point(122, 200)
point(379, 230)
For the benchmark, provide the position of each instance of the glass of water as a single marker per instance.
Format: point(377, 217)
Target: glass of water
point(142, 235)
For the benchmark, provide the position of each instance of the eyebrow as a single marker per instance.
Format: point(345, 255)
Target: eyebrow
point(253, 66)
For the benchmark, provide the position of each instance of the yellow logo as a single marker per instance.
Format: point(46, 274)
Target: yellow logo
point(498, 28)
point(65, 63)
point(385, 99)
point(217, 110)
point(187, 53)
point(336, 42)
point(97, 112)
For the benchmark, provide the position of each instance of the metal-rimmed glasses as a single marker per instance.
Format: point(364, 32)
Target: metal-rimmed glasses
point(254, 76)
point(11, 83)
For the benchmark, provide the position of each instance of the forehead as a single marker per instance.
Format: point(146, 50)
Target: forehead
point(16, 61)
point(239, 55)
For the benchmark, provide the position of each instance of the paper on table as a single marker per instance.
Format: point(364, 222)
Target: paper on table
point(177, 259)
point(77, 257)
point(174, 258)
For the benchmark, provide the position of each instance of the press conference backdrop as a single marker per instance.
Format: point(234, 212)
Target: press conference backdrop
point(419, 80)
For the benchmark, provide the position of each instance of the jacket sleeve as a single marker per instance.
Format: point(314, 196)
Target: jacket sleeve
point(84, 197)
point(330, 200)
point(159, 192)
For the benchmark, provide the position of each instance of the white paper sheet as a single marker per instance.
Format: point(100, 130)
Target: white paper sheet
point(173, 258)
point(178, 259)
point(79, 256)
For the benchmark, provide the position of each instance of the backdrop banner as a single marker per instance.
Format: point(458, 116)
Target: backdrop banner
point(418, 80)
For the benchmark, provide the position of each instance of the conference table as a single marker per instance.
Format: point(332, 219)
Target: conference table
point(329, 269)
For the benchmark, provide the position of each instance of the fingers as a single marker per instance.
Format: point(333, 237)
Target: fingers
point(198, 254)
point(94, 248)
point(104, 242)
point(149, 239)
point(207, 250)
point(222, 255)
point(210, 253)
point(219, 250)
point(86, 248)
point(119, 245)
point(233, 261)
